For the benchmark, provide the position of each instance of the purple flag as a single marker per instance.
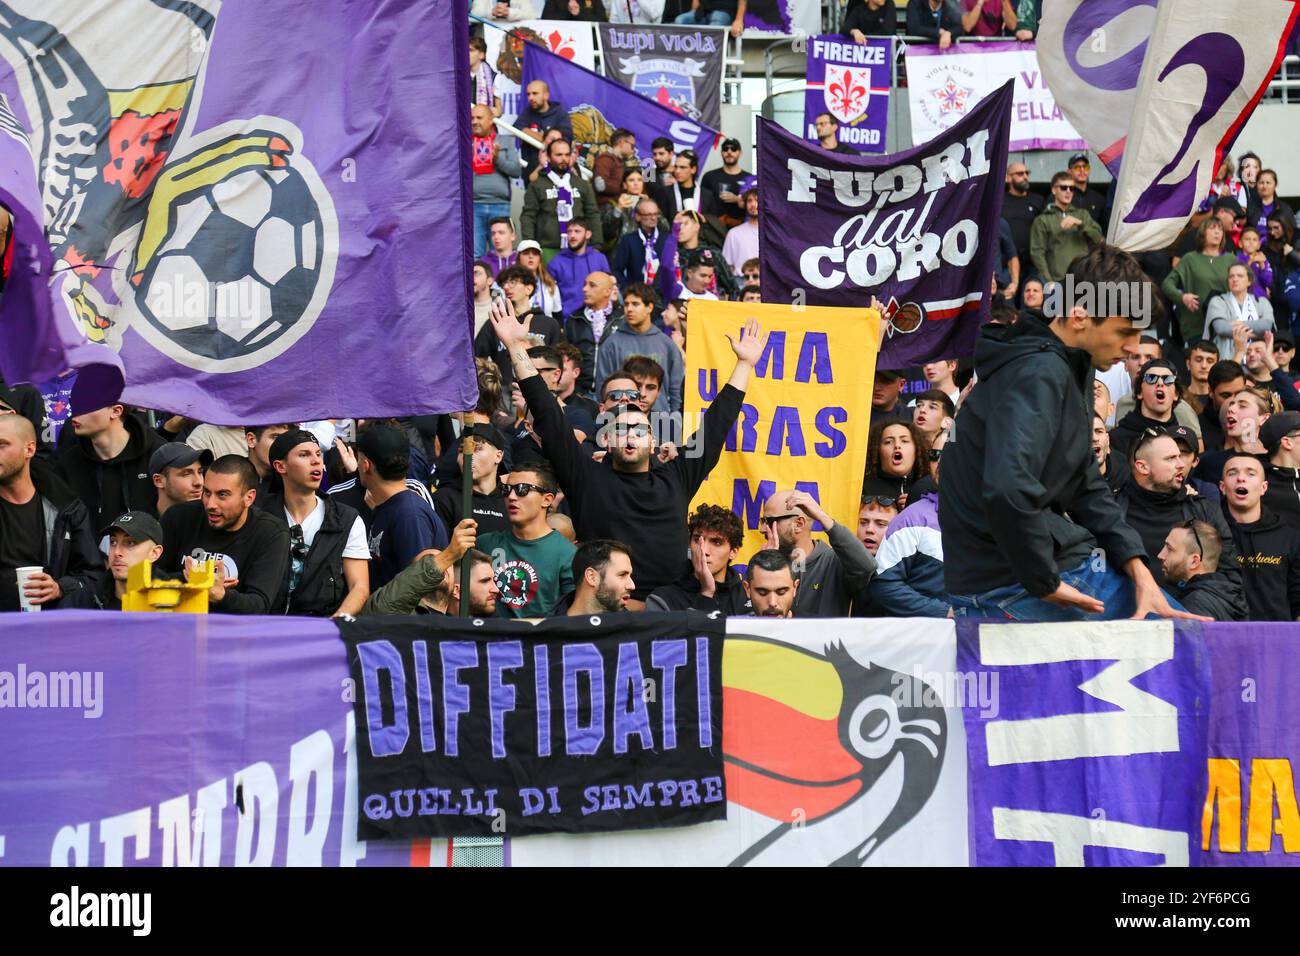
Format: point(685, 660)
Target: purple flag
point(166, 739)
point(1095, 752)
point(917, 229)
point(598, 106)
point(263, 231)
point(851, 81)
point(1251, 815)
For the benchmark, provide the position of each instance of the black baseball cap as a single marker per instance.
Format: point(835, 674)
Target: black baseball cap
point(492, 435)
point(1277, 427)
point(175, 454)
point(1227, 202)
point(731, 143)
point(290, 440)
point(1079, 158)
point(138, 524)
point(383, 442)
point(887, 375)
point(1283, 338)
point(1184, 436)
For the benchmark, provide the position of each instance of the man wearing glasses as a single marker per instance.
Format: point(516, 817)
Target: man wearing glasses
point(1190, 559)
point(724, 184)
point(1089, 200)
point(829, 577)
point(638, 254)
point(622, 496)
point(1157, 392)
point(1062, 233)
point(533, 562)
point(1020, 208)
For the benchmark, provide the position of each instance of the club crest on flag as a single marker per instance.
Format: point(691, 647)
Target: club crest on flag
point(847, 92)
point(951, 97)
point(669, 88)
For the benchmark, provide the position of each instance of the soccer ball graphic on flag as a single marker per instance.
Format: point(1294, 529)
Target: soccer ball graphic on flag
point(237, 265)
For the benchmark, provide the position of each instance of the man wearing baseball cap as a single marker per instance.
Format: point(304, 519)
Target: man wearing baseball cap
point(724, 184)
point(133, 537)
point(488, 504)
point(329, 556)
point(1280, 436)
point(1090, 200)
point(1188, 447)
point(177, 472)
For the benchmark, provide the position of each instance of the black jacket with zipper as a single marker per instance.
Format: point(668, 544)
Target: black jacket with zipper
point(1268, 551)
point(578, 330)
point(71, 550)
point(729, 597)
point(1216, 595)
point(1153, 514)
point(1283, 495)
point(1021, 461)
point(120, 484)
point(323, 585)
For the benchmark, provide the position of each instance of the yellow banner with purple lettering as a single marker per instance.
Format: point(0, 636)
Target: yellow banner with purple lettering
point(807, 409)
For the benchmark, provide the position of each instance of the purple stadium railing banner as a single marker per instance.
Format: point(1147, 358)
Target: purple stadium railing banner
point(179, 740)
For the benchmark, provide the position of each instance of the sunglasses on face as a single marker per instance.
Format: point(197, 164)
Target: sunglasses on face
point(522, 489)
point(636, 431)
point(1283, 347)
point(624, 394)
point(768, 521)
point(1151, 378)
point(549, 368)
point(1064, 189)
point(881, 500)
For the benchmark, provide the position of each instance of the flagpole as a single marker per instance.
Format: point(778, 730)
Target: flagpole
point(466, 504)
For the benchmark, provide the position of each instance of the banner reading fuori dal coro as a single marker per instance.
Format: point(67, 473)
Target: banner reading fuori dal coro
point(804, 421)
point(917, 229)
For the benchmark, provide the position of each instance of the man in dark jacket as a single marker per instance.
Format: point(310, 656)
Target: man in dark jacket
point(1021, 460)
point(42, 524)
point(708, 581)
point(1225, 379)
point(536, 118)
point(1189, 560)
point(1155, 498)
point(554, 199)
point(1157, 391)
point(625, 496)
point(519, 284)
point(638, 255)
point(1268, 547)
point(487, 500)
point(1112, 464)
point(133, 538)
point(1280, 436)
point(108, 464)
point(587, 327)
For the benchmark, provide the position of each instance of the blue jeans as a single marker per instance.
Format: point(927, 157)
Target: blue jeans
point(715, 18)
point(485, 212)
point(1014, 603)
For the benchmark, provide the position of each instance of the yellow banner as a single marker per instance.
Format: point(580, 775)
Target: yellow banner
point(807, 408)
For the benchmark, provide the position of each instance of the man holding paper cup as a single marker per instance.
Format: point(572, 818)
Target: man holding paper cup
point(47, 549)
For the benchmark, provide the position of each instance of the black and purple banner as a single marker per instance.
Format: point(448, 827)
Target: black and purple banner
point(851, 81)
point(917, 229)
point(677, 67)
point(478, 728)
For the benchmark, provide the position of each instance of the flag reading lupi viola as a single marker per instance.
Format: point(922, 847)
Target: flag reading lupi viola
point(677, 67)
point(1207, 64)
point(234, 210)
point(804, 421)
point(917, 229)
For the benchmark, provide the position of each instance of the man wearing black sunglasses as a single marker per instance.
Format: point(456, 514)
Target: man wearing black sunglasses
point(622, 496)
point(830, 578)
point(533, 562)
point(1157, 392)
point(1062, 233)
point(1022, 461)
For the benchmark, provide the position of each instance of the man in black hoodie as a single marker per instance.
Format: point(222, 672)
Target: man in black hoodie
point(708, 581)
point(1021, 459)
point(1280, 436)
point(1157, 391)
point(1190, 562)
point(1226, 379)
point(626, 496)
point(488, 503)
point(108, 464)
point(1156, 498)
point(1269, 548)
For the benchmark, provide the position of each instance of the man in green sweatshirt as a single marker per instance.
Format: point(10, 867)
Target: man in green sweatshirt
point(1062, 233)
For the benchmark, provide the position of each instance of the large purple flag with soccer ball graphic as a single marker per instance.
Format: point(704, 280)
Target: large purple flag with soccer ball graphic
point(260, 230)
point(917, 229)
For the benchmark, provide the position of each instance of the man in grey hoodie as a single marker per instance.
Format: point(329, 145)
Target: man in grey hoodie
point(638, 336)
point(829, 577)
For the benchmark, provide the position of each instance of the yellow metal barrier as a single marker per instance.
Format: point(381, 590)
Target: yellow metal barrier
point(144, 593)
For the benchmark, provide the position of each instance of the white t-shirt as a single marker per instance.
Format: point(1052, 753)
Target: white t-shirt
point(1117, 380)
point(357, 546)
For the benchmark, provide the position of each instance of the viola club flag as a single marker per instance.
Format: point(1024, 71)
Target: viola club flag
point(915, 229)
point(851, 82)
point(230, 212)
point(677, 67)
point(598, 106)
point(1207, 65)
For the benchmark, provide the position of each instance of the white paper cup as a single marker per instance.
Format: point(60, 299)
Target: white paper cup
point(23, 574)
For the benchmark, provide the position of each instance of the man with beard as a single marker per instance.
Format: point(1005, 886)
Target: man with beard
point(1268, 546)
point(250, 546)
point(708, 582)
point(830, 576)
point(540, 115)
point(602, 576)
point(483, 590)
point(1243, 418)
point(1154, 499)
point(1023, 461)
point(1190, 562)
point(661, 151)
point(771, 585)
point(1020, 208)
point(556, 198)
point(575, 262)
point(1112, 464)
